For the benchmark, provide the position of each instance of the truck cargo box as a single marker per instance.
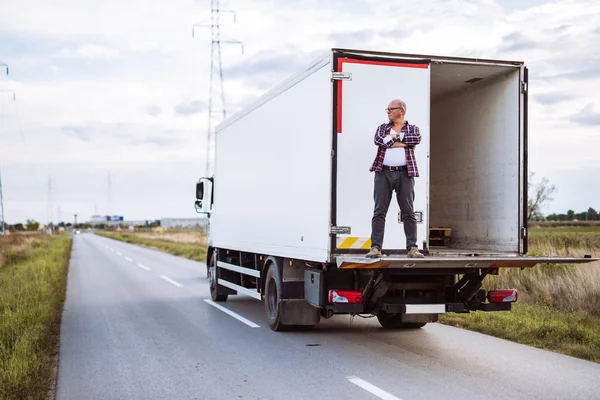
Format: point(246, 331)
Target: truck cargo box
point(292, 169)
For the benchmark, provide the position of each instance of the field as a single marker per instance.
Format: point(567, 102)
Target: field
point(184, 243)
point(33, 274)
point(559, 305)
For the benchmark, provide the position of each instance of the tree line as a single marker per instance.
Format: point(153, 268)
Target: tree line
point(589, 215)
point(32, 225)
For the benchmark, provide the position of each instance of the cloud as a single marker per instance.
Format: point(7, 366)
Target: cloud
point(79, 132)
point(98, 137)
point(363, 35)
point(516, 42)
point(90, 52)
point(584, 73)
point(152, 110)
point(142, 47)
point(187, 108)
point(266, 65)
point(359, 37)
point(552, 98)
point(156, 140)
point(587, 116)
point(143, 76)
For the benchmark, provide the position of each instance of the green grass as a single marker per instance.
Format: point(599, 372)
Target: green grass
point(573, 333)
point(32, 293)
point(193, 251)
point(559, 304)
point(566, 229)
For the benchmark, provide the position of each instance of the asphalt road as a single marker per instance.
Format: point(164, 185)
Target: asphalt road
point(137, 325)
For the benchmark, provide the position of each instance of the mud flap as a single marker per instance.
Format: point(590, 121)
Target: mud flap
point(299, 312)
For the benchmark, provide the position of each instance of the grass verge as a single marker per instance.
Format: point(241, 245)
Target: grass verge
point(192, 251)
point(572, 333)
point(559, 304)
point(32, 294)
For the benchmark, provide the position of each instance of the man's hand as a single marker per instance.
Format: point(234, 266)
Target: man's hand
point(399, 144)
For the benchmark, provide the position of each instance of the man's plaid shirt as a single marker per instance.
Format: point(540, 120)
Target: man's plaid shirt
point(412, 137)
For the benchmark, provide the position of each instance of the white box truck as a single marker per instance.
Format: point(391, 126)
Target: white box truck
point(291, 198)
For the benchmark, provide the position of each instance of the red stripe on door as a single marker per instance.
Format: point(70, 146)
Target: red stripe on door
point(339, 97)
point(343, 60)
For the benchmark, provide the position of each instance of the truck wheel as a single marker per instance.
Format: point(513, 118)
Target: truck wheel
point(394, 321)
point(271, 299)
point(212, 278)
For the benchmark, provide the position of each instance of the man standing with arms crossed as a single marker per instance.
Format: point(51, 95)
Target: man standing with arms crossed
point(395, 168)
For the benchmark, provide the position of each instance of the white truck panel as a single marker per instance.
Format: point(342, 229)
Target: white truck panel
point(475, 164)
point(273, 164)
point(364, 100)
point(273, 173)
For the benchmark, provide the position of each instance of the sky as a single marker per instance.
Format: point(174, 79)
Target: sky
point(105, 107)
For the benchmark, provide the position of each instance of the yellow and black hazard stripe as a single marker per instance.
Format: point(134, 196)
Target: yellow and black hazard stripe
point(361, 265)
point(349, 242)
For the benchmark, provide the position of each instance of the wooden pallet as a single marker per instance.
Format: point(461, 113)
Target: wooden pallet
point(440, 237)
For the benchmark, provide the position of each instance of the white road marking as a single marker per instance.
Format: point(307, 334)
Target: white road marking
point(371, 388)
point(113, 250)
point(234, 315)
point(143, 267)
point(171, 281)
point(119, 253)
point(128, 259)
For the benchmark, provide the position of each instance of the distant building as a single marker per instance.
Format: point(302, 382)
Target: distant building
point(183, 222)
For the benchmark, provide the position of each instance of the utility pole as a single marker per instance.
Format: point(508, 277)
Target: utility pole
point(108, 194)
point(108, 200)
point(216, 72)
point(75, 226)
point(2, 228)
point(49, 207)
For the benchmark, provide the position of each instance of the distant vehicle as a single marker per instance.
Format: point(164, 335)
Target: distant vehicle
point(291, 201)
point(77, 232)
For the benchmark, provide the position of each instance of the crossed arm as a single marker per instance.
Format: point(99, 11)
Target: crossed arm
point(411, 139)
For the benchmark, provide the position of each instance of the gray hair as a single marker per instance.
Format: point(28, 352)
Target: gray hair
point(401, 104)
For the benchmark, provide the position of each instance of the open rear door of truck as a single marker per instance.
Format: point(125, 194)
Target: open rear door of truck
point(363, 88)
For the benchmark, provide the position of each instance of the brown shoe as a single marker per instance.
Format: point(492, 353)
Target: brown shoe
point(374, 253)
point(415, 253)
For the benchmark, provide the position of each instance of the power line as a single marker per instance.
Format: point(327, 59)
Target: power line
point(3, 230)
point(215, 66)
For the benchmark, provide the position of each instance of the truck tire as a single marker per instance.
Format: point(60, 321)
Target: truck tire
point(271, 299)
point(394, 321)
point(212, 278)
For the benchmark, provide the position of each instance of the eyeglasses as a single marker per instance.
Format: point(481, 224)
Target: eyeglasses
point(394, 108)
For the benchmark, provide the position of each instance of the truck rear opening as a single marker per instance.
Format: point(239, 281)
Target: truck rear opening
point(471, 159)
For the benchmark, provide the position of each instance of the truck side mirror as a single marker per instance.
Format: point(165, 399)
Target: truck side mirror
point(200, 191)
point(204, 196)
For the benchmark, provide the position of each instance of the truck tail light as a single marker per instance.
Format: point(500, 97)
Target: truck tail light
point(503, 296)
point(345, 296)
